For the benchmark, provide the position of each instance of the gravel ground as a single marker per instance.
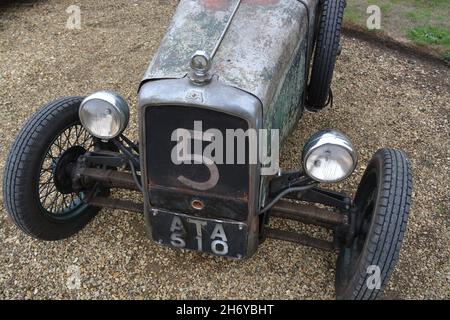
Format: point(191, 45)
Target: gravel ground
point(381, 99)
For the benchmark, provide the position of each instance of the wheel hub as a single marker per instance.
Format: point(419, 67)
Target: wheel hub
point(62, 169)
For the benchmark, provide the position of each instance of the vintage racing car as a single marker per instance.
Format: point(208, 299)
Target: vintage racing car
point(227, 86)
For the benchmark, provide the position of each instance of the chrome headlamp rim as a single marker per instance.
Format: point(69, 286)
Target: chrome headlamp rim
point(117, 102)
point(329, 137)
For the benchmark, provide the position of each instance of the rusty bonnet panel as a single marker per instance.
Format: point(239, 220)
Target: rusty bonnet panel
point(256, 51)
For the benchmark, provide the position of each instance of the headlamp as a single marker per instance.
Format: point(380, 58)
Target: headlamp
point(329, 156)
point(104, 114)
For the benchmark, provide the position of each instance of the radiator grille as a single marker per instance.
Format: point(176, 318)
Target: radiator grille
point(226, 199)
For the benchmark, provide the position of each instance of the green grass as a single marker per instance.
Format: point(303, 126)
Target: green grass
point(447, 58)
point(430, 35)
point(353, 15)
point(424, 22)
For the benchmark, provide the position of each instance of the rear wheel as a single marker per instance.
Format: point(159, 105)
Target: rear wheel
point(325, 53)
point(381, 207)
point(37, 182)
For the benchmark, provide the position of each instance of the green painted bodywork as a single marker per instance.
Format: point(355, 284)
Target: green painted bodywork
point(286, 107)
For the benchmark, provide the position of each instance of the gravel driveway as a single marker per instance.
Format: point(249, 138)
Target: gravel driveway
point(382, 98)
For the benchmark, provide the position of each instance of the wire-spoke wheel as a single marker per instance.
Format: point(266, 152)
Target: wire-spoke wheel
point(55, 193)
point(38, 189)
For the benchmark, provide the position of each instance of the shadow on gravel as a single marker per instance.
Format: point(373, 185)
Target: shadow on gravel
point(411, 50)
point(5, 4)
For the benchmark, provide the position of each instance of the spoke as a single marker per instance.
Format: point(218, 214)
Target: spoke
point(46, 170)
point(55, 198)
point(45, 178)
point(51, 199)
point(88, 136)
point(68, 133)
point(51, 205)
point(58, 144)
point(49, 154)
point(77, 134)
point(49, 191)
point(66, 139)
point(86, 139)
point(63, 142)
point(46, 190)
point(72, 200)
point(58, 202)
point(46, 184)
point(64, 203)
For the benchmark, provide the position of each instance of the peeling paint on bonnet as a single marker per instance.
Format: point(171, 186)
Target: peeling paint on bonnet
point(255, 55)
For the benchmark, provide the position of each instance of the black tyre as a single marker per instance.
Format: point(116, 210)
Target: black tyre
point(381, 207)
point(325, 53)
point(37, 186)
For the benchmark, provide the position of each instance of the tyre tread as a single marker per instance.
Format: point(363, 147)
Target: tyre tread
point(19, 159)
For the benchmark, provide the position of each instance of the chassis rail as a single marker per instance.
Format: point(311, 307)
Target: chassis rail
point(109, 178)
point(301, 239)
point(307, 214)
point(112, 203)
point(331, 219)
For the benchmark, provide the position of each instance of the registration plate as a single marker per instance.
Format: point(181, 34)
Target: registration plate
point(218, 237)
